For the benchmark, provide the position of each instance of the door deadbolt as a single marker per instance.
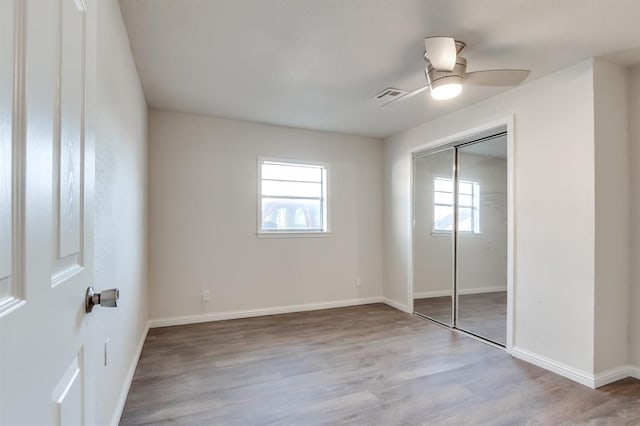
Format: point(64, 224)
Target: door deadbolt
point(108, 298)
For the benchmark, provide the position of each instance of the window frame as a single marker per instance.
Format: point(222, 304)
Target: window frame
point(474, 206)
point(289, 233)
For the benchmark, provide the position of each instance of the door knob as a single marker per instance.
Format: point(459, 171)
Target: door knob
point(108, 298)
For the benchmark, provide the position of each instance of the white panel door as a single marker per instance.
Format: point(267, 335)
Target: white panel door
point(47, 80)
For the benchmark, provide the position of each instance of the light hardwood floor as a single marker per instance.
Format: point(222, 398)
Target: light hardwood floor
point(369, 365)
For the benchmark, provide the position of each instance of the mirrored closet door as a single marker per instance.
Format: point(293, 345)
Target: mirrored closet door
point(460, 237)
point(433, 236)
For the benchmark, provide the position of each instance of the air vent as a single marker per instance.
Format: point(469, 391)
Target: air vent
point(389, 94)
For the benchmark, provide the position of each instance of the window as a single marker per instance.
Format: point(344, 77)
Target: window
point(468, 206)
point(293, 197)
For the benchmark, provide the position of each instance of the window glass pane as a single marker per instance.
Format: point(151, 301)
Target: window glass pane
point(465, 187)
point(476, 195)
point(442, 218)
point(291, 214)
point(443, 185)
point(465, 219)
point(291, 172)
point(443, 198)
point(291, 189)
point(465, 200)
point(292, 197)
point(301, 218)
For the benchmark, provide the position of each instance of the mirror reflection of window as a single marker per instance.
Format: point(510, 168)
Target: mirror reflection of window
point(468, 206)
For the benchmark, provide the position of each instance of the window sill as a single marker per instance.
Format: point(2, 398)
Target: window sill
point(294, 234)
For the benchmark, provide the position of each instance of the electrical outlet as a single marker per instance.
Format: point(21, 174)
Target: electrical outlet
point(205, 295)
point(106, 351)
point(358, 282)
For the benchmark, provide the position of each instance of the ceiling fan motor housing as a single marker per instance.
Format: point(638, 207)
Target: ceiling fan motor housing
point(435, 78)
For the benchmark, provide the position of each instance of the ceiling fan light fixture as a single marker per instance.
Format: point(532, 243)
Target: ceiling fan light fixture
point(446, 88)
point(446, 70)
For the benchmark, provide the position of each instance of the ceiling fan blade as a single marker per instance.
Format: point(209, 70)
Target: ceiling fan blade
point(441, 52)
point(496, 77)
point(408, 95)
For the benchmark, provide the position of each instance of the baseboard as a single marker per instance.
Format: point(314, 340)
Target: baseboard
point(615, 374)
point(574, 374)
point(117, 413)
point(442, 293)
point(399, 306)
point(221, 316)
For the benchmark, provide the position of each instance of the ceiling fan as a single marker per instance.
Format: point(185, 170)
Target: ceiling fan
point(446, 72)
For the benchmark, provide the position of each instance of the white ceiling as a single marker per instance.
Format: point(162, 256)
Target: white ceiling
point(318, 63)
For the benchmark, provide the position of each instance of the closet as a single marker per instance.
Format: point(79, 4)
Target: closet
point(460, 232)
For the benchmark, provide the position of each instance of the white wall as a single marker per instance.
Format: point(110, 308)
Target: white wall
point(612, 209)
point(120, 213)
point(203, 209)
point(554, 204)
point(634, 138)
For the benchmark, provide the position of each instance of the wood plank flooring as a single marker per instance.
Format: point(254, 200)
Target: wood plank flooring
point(367, 365)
